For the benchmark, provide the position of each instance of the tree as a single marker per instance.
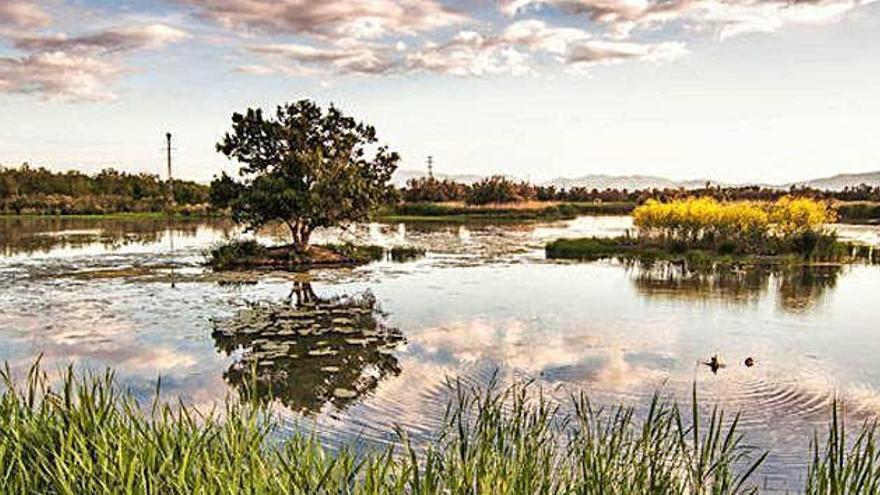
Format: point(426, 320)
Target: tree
point(224, 190)
point(307, 168)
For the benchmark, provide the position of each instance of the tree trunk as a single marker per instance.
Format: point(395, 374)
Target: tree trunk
point(300, 232)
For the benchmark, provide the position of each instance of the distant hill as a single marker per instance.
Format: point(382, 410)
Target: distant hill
point(840, 181)
point(634, 182)
point(631, 182)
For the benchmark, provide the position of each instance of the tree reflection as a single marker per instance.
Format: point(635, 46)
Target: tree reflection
point(27, 235)
point(310, 351)
point(798, 288)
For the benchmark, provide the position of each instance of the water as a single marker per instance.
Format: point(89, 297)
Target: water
point(133, 295)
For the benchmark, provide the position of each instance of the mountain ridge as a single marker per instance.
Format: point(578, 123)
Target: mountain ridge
point(642, 181)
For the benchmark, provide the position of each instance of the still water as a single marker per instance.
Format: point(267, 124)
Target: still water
point(133, 295)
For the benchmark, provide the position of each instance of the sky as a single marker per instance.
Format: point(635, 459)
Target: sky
point(766, 91)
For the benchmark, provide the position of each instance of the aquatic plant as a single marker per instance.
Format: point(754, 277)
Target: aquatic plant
point(406, 253)
point(789, 225)
point(87, 435)
point(841, 467)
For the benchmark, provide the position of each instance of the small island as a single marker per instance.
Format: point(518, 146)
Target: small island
point(703, 231)
point(305, 168)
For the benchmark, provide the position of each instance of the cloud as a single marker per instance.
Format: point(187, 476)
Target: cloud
point(727, 18)
point(520, 49)
point(469, 54)
point(351, 58)
point(600, 52)
point(18, 15)
point(58, 75)
point(79, 68)
point(109, 41)
point(360, 19)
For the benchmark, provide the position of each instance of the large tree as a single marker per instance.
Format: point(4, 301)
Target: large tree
point(307, 167)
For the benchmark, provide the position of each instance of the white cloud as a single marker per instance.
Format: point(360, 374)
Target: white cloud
point(79, 68)
point(17, 15)
point(520, 49)
point(727, 17)
point(58, 76)
point(347, 58)
point(361, 19)
point(469, 54)
point(599, 52)
point(110, 41)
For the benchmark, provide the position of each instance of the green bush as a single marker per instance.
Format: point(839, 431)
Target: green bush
point(235, 253)
point(495, 189)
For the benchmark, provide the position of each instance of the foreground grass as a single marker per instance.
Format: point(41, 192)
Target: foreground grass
point(87, 436)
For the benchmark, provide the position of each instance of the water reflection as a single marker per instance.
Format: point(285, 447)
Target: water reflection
point(798, 288)
point(29, 235)
point(309, 351)
point(483, 299)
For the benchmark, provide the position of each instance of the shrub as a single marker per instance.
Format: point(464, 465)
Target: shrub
point(495, 189)
point(234, 253)
point(789, 225)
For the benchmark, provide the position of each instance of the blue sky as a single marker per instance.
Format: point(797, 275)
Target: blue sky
point(730, 90)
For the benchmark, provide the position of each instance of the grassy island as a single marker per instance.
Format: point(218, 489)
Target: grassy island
point(705, 229)
point(250, 254)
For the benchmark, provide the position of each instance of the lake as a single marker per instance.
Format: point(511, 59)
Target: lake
point(483, 304)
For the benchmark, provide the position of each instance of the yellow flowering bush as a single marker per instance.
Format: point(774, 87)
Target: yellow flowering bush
point(793, 224)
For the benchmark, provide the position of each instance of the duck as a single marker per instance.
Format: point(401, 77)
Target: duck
point(714, 364)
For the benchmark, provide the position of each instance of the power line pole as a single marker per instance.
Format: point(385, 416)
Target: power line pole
point(170, 181)
point(170, 206)
point(430, 167)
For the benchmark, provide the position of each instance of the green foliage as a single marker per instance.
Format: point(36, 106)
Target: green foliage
point(406, 253)
point(358, 253)
point(28, 190)
point(305, 167)
point(787, 226)
point(495, 189)
point(88, 437)
point(431, 190)
point(521, 212)
point(839, 467)
point(247, 254)
point(589, 248)
point(859, 212)
point(235, 253)
point(223, 191)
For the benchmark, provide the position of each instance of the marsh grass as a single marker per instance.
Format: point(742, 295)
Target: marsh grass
point(501, 212)
point(87, 435)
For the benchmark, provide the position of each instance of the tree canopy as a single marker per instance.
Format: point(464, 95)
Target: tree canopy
point(306, 167)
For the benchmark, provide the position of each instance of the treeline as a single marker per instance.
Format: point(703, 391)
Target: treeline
point(37, 190)
point(499, 189)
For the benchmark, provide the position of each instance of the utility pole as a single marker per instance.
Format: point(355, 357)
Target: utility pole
point(170, 181)
point(170, 206)
point(430, 167)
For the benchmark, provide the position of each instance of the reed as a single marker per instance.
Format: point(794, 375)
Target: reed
point(87, 435)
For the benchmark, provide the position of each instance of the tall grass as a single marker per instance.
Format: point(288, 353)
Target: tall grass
point(789, 225)
point(86, 435)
